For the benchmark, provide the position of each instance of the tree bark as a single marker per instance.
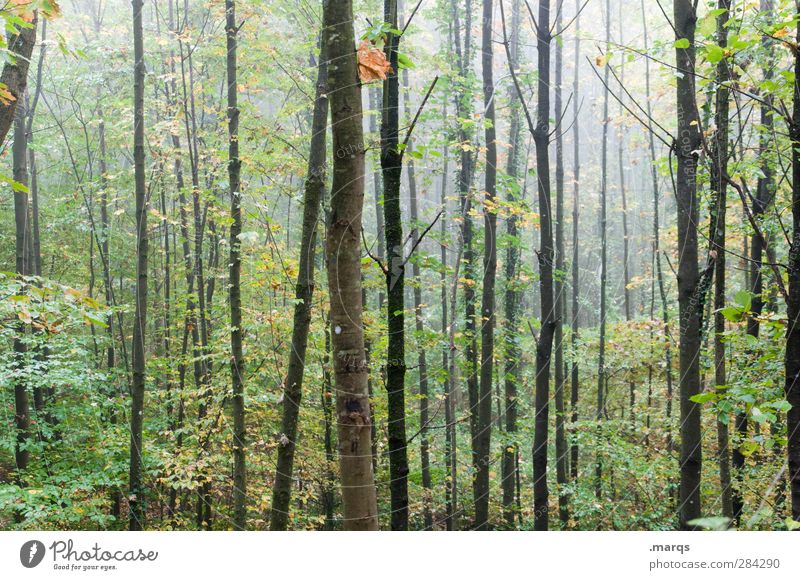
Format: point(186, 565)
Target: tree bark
point(719, 171)
point(792, 357)
point(136, 496)
point(560, 382)
point(576, 185)
point(304, 293)
point(601, 360)
point(690, 292)
point(15, 74)
point(484, 423)
point(234, 284)
point(512, 298)
point(392, 167)
point(343, 256)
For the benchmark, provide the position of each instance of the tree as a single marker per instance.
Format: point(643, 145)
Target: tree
point(14, 77)
point(235, 292)
point(136, 497)
point(690, 291)
point(484, 423)
point(560, 382)
point(601, 359)
point(304, 293)
point(343, 257)
point(792, 358)
point(719, 172)
point(392, 168)
point(512, 294)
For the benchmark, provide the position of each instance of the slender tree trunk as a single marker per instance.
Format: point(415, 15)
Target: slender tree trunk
point(659, 274)
point(541, 138)
point(576, 185)
point(764, 194)
point(719, 171)
point(422, 360)
point(689, 283)
point(601, 361)
point(136, 495)
point(23, 268)
point(562, 457)
point(792, 359)
point(512, 349)
point(234, 285)
point(304, 292)
point(392, 166)
point(484, 424)
point(343, 251)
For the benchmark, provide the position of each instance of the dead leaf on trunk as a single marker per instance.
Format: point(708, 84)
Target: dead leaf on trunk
point(372, 63)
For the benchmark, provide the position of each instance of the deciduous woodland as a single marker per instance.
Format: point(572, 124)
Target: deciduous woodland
point(400, 265)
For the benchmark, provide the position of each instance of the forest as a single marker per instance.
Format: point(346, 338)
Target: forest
point(400, 265)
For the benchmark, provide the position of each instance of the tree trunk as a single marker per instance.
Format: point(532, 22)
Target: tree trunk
point(659, 274)
point(576, 184)
point(541, 138)
point(136, 495)
point(15, 74)
point(484, 424)
point(343, 253)
point(304, 293)
point(23, 268)
point(690, 292)
point(422, 360)
point(560, 382)
point(234, 285)
point(792, 359)
point(512, 349)
point(719, 171)
point(392, 166)
point(601, 361)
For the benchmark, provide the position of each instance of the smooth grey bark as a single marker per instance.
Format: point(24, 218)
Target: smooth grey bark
point(343, 257)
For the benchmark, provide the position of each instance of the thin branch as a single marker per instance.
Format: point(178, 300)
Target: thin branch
point(416, 117)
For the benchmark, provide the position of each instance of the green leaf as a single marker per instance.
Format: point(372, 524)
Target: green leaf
point(716, 523)
point(744, 299)
point(703, 397)
point(682, 43)
point(732, 313)
point(714, 53)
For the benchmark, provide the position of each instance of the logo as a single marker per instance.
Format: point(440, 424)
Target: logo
point(31, 553)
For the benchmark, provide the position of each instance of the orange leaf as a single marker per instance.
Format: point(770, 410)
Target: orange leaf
point(372, 63)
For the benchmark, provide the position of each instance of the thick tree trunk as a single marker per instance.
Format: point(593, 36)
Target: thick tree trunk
point(15, 74)
point(136, 495)
point(690, 292)
point(304, 293)
point(343, 253)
